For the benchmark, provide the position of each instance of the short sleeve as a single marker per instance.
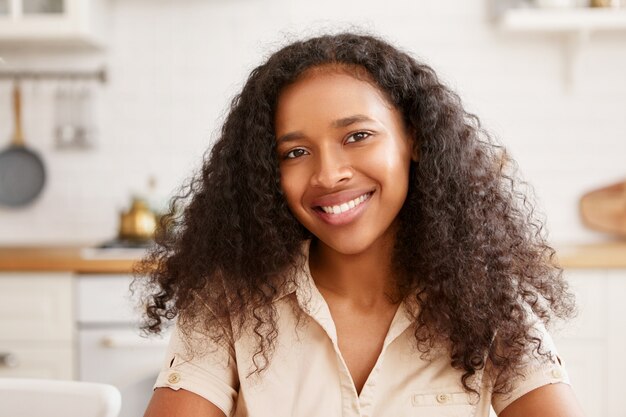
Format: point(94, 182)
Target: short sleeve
point(212, 375)
point(537, 371)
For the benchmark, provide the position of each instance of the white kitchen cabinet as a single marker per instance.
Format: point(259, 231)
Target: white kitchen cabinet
point(616, 342)
point(37, 334)
point(111, 349)
point(592, 345)
point(53, 23)
point(38, 360)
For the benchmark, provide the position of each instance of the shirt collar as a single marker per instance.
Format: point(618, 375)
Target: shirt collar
point(311, 301)
point(297, 279)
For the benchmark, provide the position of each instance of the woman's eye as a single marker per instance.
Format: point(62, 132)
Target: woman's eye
point(295, 153)
point(357, 137)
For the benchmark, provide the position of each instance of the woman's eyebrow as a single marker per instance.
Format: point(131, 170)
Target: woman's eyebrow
point(339, 123)
point(289, 137)
point(347, 121)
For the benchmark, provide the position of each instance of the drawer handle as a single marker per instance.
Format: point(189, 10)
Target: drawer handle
point(115, 342)
point(8, 360)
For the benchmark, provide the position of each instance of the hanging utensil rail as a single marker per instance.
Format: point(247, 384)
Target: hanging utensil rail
point(97, 75)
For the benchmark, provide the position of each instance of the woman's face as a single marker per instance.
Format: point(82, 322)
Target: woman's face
point(344, 155)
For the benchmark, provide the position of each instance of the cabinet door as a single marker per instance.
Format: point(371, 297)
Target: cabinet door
point(72, 23)
point(37, 360)
point(616, 332)
point(582, 343)
point(5, 8)
point(105, 299)
point(44, 7)
point(36, 325)
point(36, 307)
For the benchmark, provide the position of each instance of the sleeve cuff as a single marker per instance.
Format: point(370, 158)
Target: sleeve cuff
point(540, 376)
point(176, 380)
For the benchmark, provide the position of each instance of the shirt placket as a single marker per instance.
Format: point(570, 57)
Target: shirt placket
point(398, 325)
point(311, 301)
point(353, 404)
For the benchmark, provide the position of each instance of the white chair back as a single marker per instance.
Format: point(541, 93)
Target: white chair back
point(23, 397)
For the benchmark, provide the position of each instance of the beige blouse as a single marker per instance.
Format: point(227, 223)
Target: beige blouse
point(307, 375)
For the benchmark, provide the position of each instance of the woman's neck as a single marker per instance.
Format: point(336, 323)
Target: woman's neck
point(365, 279)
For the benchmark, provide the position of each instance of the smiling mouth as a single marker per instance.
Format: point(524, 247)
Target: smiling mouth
point(347, 206)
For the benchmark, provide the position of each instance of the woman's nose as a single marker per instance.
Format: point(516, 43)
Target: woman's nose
point(331, 170)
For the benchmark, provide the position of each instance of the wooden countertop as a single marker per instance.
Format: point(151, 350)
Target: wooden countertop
point(610, 254)
point(63, 258)
point(86, 260)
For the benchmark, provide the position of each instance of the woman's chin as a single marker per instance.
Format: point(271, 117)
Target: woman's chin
point(346, 247)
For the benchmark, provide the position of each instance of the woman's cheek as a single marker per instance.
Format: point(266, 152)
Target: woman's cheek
point(290, 182)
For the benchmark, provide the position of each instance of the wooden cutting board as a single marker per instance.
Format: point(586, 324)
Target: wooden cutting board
point(604, 209)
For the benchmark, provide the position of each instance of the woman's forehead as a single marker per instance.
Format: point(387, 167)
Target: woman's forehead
point(331, 100)
point(332, 76)
point(357, 72)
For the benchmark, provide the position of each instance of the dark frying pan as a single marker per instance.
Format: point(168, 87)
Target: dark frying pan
point(22, 173)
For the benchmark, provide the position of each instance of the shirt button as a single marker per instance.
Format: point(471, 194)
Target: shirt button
point(174, 378)
point(443, 398)
point(557, 373)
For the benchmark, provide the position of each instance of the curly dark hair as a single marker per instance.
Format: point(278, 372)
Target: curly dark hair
point(470, 252)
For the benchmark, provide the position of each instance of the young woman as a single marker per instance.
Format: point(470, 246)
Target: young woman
point(355, 245)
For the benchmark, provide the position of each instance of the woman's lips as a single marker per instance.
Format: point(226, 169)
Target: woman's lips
point(346, 212)
point(340, 197)
point(344, 206)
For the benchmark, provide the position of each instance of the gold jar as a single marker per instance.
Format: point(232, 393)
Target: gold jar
point(138, 223)
point(605, 3)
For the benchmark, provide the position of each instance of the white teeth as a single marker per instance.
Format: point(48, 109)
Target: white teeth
point(345, 206)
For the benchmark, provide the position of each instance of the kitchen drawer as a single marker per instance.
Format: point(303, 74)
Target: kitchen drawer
point(105, 299)
point(38, 360)
point(124, 347)
point(36, 307)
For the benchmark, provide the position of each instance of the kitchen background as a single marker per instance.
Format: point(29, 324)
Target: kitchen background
point(543, 80)
point(173, 67)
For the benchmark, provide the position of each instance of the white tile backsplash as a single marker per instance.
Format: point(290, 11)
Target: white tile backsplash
point(174, 66)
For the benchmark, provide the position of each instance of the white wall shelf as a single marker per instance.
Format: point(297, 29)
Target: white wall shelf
point(574, 25)
point(563, 20)
point(80, 23)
